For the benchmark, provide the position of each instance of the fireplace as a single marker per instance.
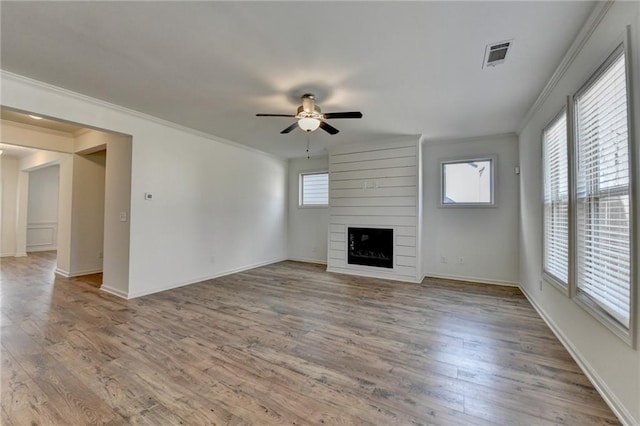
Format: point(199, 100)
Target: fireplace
point(370, 247)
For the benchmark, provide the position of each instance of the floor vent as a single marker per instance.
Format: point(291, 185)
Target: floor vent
point(495, 54)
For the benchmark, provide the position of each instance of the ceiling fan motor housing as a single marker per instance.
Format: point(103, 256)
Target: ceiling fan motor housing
point(303, 112)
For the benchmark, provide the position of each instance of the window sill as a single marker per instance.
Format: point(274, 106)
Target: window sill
point(626, 335)
point(559, 285)
point(314, 207)
point(467, 206)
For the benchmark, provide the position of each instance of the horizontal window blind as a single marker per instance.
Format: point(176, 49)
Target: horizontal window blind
point(603, 192)
point(315, 189)
point(556, 200)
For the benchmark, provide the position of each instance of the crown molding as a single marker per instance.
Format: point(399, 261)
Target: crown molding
point(7, 75)
point(597, 14)
point(480, 138)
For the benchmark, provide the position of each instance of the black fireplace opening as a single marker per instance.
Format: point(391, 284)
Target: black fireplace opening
point(371, 247)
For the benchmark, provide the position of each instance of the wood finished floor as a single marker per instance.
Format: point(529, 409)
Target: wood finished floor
point(282, 344)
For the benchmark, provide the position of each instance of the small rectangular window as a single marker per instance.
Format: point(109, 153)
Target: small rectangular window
point(555, 170)
point(314, 189)
point(467, 182)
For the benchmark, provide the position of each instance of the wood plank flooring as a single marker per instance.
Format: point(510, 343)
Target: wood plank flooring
point(283, 344)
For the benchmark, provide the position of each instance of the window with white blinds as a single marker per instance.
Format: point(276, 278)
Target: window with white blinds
point(555, 166)
point(314, 189)
point(603, 215)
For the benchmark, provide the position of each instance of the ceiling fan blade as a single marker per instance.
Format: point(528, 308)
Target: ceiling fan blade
point(290, 128)
point(353, 114)
point(328, 128)
point(274, 115)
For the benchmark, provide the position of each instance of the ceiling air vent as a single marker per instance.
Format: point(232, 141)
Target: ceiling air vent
point(495, 54)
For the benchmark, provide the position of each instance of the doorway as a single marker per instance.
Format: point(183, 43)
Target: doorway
point(92, 169)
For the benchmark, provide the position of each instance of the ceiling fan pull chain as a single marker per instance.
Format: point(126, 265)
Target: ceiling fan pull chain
point(308, 144)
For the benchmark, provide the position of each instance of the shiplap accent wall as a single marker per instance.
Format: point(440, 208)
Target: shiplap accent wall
point(377, 185)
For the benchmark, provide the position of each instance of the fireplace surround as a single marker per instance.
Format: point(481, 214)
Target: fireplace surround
point(376, 186)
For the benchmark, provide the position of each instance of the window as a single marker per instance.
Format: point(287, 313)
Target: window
point(314, 189)
point(603, 193)
point(467, 182)
point(555, 169)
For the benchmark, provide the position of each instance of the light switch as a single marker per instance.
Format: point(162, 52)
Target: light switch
point(148, 196)
point(123, 216)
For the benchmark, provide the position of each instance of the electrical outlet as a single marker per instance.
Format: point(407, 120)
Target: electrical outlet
point(461, 260)
point(443, 259)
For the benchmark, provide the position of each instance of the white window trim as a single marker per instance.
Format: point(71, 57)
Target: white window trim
point(300, 187)
point(628, 335)
point(467, 159)
point(564, 288)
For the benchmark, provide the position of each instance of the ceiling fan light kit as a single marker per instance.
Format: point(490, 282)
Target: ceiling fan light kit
point(310, 116)
point(309, 124)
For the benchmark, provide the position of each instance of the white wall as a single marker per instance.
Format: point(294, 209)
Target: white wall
point(42, 158)
point(611, 364)
point(87, 213)
point(42, 210)
point(43, 195)
point(21, 213)
point(117, 201)
point(307, 226)
point(486, 238)
point(216, 208)
point(9, 173)
point(65, 199)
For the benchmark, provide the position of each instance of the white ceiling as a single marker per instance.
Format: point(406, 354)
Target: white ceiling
point(410, 67)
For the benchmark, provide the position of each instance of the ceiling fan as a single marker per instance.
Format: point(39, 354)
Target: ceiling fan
point(310, 117)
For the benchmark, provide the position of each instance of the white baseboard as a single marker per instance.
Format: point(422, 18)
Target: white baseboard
point(21, 254)
point(62, 273)
point(114, 291)
point(472, 279)
point(605, 392)
point(361, 273)
point(12, 254)
point(32, 249)
point(305, 260)
point(205, 278)
point(85, 272)
point(67, 274)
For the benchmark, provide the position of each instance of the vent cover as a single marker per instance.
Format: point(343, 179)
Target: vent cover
point(495, 54)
